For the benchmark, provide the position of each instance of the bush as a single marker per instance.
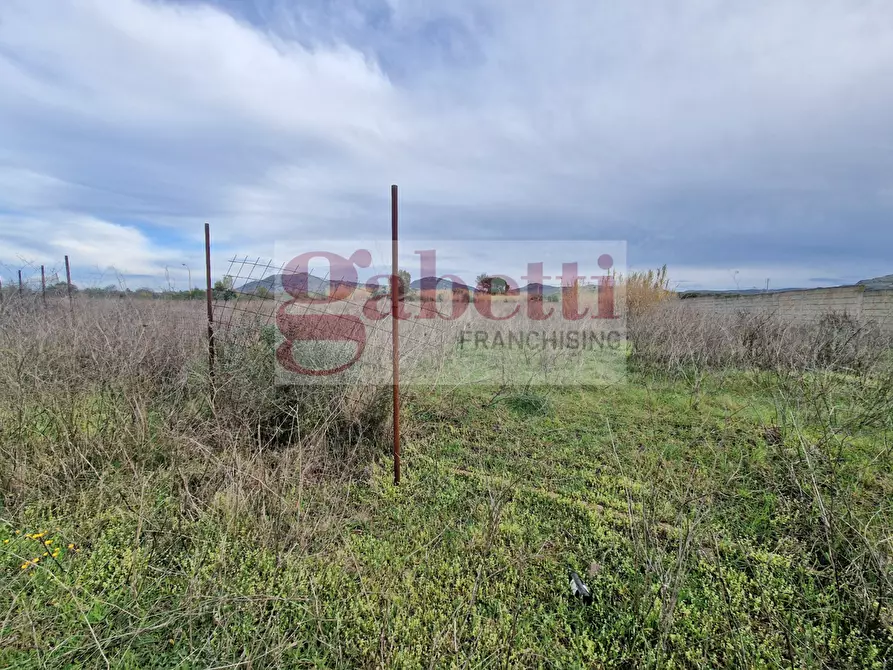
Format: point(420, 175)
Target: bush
point(643, 290)
point(676, 335)
point(841, 342)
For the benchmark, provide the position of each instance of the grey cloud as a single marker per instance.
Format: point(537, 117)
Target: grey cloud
point(706, 134)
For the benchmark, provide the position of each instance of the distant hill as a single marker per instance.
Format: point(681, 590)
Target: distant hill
point(543, 289)
point(442, 284)
point(274, 284)
point(446, 285)
point(733, 292)
point(878, 283)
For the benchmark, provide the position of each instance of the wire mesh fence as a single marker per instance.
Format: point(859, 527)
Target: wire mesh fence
point(31, 287)
point(31, 282)
point(322, 328)
point(326, 330)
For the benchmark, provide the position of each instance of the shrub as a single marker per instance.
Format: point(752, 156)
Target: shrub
point(676, 335)
point(643, 290)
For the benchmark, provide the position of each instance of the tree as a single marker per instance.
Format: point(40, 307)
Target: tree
point(491, 285)
point(108, 291)
point(60, 288)
point(405, 279)
point(223, 289)
point(498, 286)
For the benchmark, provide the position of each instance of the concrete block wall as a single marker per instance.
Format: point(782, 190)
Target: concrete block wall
point(878, 306)
point(806, 305)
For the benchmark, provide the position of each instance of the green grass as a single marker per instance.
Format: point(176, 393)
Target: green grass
point(696, 528)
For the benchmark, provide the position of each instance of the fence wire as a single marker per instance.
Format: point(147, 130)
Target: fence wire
point(247, 302)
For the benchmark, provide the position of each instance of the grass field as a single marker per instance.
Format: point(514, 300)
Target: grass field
point(722, 518)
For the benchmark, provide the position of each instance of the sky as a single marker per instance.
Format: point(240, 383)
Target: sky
point(739, 142)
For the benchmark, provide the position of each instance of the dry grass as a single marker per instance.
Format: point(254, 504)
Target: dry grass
point(674, 335)
point(642, 290)
point(243, 523)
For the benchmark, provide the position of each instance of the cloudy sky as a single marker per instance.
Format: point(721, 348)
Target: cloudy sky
point(737, 141)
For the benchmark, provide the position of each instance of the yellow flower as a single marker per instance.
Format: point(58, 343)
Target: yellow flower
point(6, 541)
point(37, 536)
point(71, 546)
point(48, 542)
point(36, 559)
point(45, 554)
point(56, 554)
point(26, 565)
point(18, 532)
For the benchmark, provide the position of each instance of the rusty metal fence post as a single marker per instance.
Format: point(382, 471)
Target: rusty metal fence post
point(395, 327)
point(210, 301)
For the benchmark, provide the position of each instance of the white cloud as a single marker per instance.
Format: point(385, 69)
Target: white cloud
point(98, 248)
point(661, 125)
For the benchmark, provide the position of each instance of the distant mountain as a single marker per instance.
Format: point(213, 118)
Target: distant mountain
point(544, 289)
point(446, 285)
point(884, 283)
point(878, 283)
point(311, 283)
point(441, 284)
point(733, 292)
point(274, 284)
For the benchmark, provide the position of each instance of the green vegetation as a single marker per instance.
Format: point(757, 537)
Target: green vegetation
point(405, 280)
point(223, 289)
point(721, 517)
point(645, 288)
point(702, 546)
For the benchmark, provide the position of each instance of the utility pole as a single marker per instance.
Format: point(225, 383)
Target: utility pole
point(189, 272)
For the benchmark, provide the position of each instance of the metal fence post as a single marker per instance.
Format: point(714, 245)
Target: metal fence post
point(20, 283)
point(209, 297)
point(43, 286)
point(395, 327)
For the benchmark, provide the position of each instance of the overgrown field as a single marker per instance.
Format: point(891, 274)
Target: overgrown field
point(723, 515)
